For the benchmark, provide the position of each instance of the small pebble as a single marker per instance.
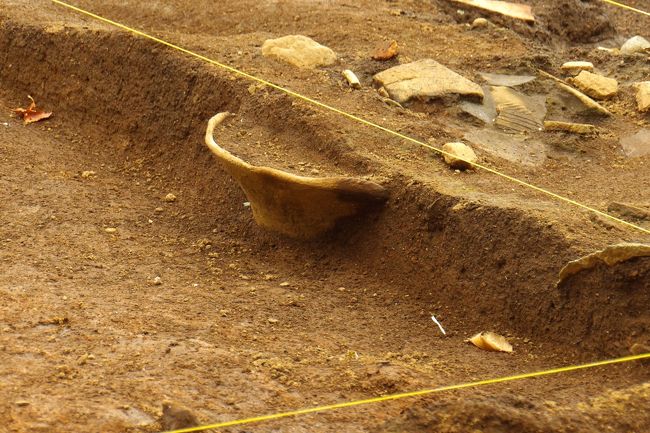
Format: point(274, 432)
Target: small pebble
point(157, 281)
point(88, 173)
point(272, 320)
point(479, 23)
point(169, 198)
point(110, 230)
point(284, 284)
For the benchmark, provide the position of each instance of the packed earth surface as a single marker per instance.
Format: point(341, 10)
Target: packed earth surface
point(133, 274)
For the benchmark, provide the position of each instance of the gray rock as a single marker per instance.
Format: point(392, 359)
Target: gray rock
point(425, 79)
point(299, 51)
point(635, 44)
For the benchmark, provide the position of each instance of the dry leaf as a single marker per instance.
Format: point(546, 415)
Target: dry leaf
point(491, 341)
point(31, 114)
point(386, 52)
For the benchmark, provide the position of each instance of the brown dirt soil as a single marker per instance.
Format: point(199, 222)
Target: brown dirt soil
point(243, 322)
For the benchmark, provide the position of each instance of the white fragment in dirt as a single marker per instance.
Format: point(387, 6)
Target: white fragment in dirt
point(439, 325)
point(158, 209)
point(480, 23)
point(272, 320)
point(299, 50)
point(247, 204)
point(635, 44)
point(5, 124)
point(169, 198)
point(459, 155)
point(157, 281)
point(577, 66)
point(87, 173)
point(352, 79)
point(110, 230)
point(22, 403)
point(284, 284)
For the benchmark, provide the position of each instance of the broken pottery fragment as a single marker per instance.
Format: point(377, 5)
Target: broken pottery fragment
point(459, 155)
point(491, 342)
point(516, 111)
point(629, 211)
point(485, 111)
point(424, 79)
point(611, 255)
point(518, 148)
point(297, 206)
point(589, 103)
point(594, 85)
point(577, 66)
point(635, 44)
point(576, 128)
point(636, 144)
point(514, 10)
point(643, 96)
point(299, 51)
point(506, 80)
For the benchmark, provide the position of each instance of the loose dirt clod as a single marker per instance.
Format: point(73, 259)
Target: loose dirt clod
point(386, 51)
point(176, 417)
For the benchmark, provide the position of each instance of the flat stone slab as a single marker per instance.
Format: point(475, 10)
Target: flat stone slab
point(595, 85)
point(425, 79)
point(299, 51)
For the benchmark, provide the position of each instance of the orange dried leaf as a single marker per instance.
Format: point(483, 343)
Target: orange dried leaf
point(31, 114)
point(386, 52)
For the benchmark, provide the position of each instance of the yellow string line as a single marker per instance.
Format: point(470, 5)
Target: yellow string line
point(410, 394)
point(621, 5)
point(349, 115)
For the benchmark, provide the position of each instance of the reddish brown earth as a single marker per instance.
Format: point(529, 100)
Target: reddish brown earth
point(246, 322)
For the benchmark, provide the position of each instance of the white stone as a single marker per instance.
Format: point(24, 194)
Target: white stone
point(634, 45)
point(643, 96)
point(299, 51)
point(424, 79)
point(460, 155)
point(595, 85)
point(577, 66)
point(479, 23)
